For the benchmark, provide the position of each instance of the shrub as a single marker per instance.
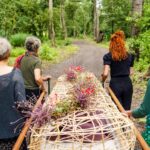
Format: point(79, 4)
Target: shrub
point(63, 42)
point(47, 53)
point(18, 40)
point(67, 42)
point(142, 65)
point(17, 51)
point(142, 43)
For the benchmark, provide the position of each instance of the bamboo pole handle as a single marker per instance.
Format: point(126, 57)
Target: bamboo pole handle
point(27, 124)
point(138, 134)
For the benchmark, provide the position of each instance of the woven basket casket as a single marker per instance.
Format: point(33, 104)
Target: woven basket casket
point(98, 126)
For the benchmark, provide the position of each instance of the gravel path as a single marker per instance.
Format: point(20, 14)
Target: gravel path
point(90, 56)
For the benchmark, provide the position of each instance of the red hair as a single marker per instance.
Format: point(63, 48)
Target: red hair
point(117, 46)
point(120, 33)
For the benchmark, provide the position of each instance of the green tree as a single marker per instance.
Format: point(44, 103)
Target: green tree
point(8, 17)
point(23, 16)
point(137, 9)
point(114, 13)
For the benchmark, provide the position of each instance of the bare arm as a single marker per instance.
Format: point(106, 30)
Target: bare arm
point(38, 78)
point(105, 72)
point(131, 71)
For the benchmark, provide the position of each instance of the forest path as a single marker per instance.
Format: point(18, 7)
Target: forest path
point(90, 56)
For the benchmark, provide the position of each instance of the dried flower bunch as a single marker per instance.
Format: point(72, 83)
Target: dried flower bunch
point(40, 116)
point(84, 86)
point(72, 72)
point(82, 91)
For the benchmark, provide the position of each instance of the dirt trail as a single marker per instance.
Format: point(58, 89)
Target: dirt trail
point(90, 56)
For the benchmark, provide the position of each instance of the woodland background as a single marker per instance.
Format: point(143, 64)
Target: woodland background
point(58, 22)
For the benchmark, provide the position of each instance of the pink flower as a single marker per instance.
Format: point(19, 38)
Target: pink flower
point(71, 75)
point(78, 69)
point(90, 90)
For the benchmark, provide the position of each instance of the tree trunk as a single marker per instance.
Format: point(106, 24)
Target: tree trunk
point(97, 24)
point(74, 31)
point(137, 9)
point(62, 16)
point(51, 30)
point(84, 26)
point(84, 29)
point(96, 20)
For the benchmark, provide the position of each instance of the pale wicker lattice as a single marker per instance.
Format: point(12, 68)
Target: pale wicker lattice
point(98, 127)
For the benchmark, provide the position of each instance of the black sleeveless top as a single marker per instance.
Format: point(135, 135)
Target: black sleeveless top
point(119, 68)
point(11, 90)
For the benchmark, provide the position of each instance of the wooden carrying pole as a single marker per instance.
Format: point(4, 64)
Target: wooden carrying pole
point(138, 134)
point(27, 124)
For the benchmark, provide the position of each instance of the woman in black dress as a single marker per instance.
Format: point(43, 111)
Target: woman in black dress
point(11, 90)
point(120, 64)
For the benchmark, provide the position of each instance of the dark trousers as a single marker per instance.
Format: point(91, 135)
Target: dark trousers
point(123, 89)
point(32, 95)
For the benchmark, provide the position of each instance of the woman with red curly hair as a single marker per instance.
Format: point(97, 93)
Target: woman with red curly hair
point(120, 64)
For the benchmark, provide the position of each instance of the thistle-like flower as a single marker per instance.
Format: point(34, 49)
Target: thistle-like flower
point(83, 91)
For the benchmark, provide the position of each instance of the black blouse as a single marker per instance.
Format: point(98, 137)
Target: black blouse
point(119, 68)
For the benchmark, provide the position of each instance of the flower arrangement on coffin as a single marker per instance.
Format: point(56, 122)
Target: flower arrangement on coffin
point(83, 88)
point(72, 72)
point(83, 91)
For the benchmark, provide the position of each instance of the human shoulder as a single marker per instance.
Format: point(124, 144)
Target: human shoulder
point(17, 75)
point(148, 84)
point(131, 59)
point(32, 60)
point(131, 56)
point(36, 59)
point(37, 63)
point(108, 55)
point(107, 58)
